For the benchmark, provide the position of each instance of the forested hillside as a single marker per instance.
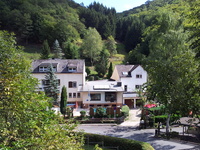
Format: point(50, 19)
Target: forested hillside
point(74, 26)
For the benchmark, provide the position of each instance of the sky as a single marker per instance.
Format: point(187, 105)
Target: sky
point(119, 5)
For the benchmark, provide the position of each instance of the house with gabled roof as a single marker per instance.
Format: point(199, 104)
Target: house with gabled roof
point(69, 72)
point(132, 78)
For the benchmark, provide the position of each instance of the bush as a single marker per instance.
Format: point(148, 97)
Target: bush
point(100, 112)
point(123, 144)
point(125, 110)
point(161, 119)
point(83, 113)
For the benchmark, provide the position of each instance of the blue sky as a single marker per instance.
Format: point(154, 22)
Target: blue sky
point(119, 5)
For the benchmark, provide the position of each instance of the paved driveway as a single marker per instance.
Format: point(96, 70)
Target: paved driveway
point(129, 130)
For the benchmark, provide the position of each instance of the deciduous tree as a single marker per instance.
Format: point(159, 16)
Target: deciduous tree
point(92, 45)
point(24, 121)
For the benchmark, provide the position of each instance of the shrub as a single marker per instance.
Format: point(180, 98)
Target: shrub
point(83, 113)
point(125, 110)
point(161, 119)
point(100, 112)
point(123, 144)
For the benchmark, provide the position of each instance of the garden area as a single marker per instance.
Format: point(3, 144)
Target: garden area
point(99, 114)
point(154, 116)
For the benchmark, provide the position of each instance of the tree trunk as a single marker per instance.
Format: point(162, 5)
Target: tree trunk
point(167, 125)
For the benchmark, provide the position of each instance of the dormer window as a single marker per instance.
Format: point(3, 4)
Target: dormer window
point(43, 69)
point(72, 69)
point(46, 69)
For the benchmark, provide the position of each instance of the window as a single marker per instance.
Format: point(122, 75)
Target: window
point(46, 69)
point(43, 69)
point(70, 95)
point(110, 96)
point(72, 84)
point(125, 87)
point(72, 69)
point(74, 95)
point(95, 97)
point(78, 95)
point(138, 76)
point(138, 86)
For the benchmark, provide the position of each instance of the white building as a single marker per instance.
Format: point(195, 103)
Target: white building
point(102, 93)
point(132, 78)
point(69, 72)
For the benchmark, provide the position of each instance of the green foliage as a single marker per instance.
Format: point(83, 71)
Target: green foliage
point(101, 18)
point(110, 71)
point(71, 50)
point(45, 50)
point(110, 44)
point(57, 50)
point(52, 90)
point(125, 110)
point(100, 112)
point(36, 21)
point(121, 143)
point(83, 113)
point(63, 101)
point(87, 70)
point(92, 45)
point(102, 66)
point(25, 122)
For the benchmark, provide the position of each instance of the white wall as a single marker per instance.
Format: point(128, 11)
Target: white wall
point(131, 82)
point(64, 79)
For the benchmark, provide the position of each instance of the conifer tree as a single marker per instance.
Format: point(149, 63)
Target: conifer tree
point(63, 101)
point(52, 89)
point(110, 70)
point(45, 50)
point(57, 50)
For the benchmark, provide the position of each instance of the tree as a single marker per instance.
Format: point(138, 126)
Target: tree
point(24, 121)
point(102, 65)
point(111, 45)
point(110, 71)
point(57, 50)
point(71, 50)
point(172, 68)
point(52, 90)
point(63, 101)
point(92, 45)
point(45, 50)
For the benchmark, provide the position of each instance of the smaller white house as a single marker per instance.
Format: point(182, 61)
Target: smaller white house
point(102, 93)
point(132, 77)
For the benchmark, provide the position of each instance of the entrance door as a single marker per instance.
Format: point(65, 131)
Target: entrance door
point(129, 103)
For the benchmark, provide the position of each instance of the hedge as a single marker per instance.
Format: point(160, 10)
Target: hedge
point(121, 143)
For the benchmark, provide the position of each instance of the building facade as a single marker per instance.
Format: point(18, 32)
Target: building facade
point(102, 93)
point(132, 77)
point(69, 72)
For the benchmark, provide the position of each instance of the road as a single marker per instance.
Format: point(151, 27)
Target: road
point(129, 130)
